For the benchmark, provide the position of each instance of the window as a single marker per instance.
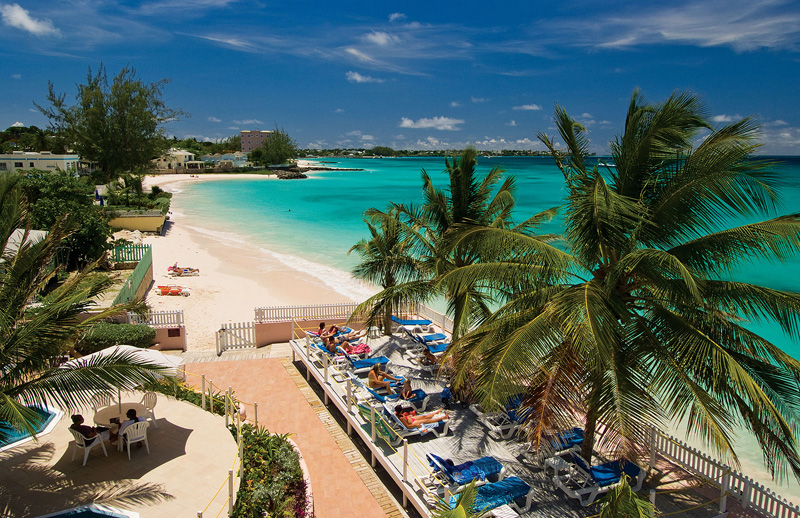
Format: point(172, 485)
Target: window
point(17, 164)
point(31, 164)
point(3, 166)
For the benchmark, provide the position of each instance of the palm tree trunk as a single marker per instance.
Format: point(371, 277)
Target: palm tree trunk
point(590, 428)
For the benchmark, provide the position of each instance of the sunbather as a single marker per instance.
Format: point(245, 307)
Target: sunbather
point(377, 377)
point(410, 419)
point(407, 392)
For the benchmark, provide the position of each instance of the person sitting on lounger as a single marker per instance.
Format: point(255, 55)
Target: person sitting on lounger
point(377, 379)
point(410, 419)
point(407, 392)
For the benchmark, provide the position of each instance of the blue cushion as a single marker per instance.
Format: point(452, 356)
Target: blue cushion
point(437, 348)
point(368, 362)
point(567, 439)
point(611, 472)
point(498, 493)
point(404, 322)
point(432, 338)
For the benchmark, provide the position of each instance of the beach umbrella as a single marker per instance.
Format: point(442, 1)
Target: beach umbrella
point(172, 364)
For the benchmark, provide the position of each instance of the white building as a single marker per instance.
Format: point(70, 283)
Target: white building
point(177, 160)
point(44, 160)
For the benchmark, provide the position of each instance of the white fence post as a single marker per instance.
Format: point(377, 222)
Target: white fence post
point(726, 482)
point(255, 413)
point(203, 392)
point(230, 492)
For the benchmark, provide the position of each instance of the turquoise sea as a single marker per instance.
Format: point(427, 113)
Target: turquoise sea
point(311, 224)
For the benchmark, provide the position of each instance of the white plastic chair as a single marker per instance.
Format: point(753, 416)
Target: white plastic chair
point(86, 443)
point(149, 401)
point(100, 400)
point(135, 433)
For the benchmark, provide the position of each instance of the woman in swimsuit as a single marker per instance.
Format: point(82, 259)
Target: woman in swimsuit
point(411, 420)
point(377, 377)
point(407, 392)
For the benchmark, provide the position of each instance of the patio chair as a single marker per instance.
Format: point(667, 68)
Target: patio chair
point(87, 443)
point(458, 475)
point(435, 338)
point(586, 482)
point(413, 326)
point(135, 433)
point(403, 431)
point(100, 400)
point(508, 491)
point(149, 401)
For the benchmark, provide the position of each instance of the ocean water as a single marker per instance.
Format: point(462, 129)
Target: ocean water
point(311, 224)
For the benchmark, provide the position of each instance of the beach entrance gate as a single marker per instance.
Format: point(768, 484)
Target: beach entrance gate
point(236, 335)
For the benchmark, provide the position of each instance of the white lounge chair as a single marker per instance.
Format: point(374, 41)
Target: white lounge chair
point(498, 422)
point(87, 443)
point(378, 396)
point(585, 482)
point(403, 432)
point(412, 326)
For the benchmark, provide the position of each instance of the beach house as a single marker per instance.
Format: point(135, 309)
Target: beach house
point(44, 160)
point(177, 160)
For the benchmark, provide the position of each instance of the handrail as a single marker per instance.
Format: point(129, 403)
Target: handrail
point(157, 318)
point(285, 313)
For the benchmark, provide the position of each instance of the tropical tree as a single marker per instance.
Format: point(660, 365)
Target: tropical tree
point(622, 502)
point(278, 149)
point(633, 319)
point(30, 338)
point(469, 201)
point(386, 257)
point(464, 505)
point(119, 125)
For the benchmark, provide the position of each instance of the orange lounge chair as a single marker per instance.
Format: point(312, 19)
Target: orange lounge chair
point(164, 290)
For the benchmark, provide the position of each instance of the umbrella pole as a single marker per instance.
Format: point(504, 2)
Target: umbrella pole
point(119, 400)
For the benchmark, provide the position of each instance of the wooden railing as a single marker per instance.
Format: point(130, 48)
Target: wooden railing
point(730, 482)
point(158, 318)
point(128, 291)
point(287, 313)
point(129, 253)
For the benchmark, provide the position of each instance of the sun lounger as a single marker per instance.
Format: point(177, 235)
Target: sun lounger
point(508, 491)
point(458, 475)
point(559, 444)
point(420, 399)
point(437, 348)
point(381, 428)
point(412, 326)
point(505, 423)
point(586, 483)
point(173, 289)
point(364, 365)
point(437, 429)
point(431, 339)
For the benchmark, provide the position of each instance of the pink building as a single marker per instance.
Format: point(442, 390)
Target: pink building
point(253, 139)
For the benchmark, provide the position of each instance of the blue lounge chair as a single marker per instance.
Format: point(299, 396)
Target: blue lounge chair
point(437, 348)
point(505, 423)
point(427, 339)
point(366, 364)
point(420, 398)
point(505, 492)
point(586, 483)
point(567, 439)
point(405, 322)
point(464, 473)
point(437, 429)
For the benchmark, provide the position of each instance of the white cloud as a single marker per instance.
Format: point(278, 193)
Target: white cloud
point(15, 16)
point(396, 16)
point(16, 76)
point(439, 123)
point(355, 77)
point(214, 119)
point(248, 121)
point(512, 123)
point(233, 42)
point(478, 99)
point(381, 38)
point(17, 125)
point(338, 110)
point(528, 107)
point(779, 122)
point(455, 104)
point(586, 115)
point(233, 128)
point(367, 138)
point(360, 55)
point(726, 118)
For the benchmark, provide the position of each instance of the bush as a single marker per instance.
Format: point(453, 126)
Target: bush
point(183, 392)
point(105, 334)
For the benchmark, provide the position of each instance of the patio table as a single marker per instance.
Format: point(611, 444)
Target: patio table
point(104, 415)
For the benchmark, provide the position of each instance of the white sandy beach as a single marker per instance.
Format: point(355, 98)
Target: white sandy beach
point(234, 278)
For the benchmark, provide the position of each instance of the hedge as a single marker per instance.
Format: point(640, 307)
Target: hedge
point(105, 334)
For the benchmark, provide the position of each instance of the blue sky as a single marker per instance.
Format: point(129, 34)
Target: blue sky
point(413, 75)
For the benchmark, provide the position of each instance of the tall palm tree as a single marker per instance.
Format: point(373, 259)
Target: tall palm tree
point(470, 200)
point(386, 257)
point(31, 338)
point(633, 320)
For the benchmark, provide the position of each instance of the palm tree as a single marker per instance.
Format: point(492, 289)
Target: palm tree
point(464, 505)
point(633, 320)
point(386, 258)
point(31, 338)
point(469, 201)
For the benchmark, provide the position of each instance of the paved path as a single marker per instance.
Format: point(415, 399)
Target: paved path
point(341, 485)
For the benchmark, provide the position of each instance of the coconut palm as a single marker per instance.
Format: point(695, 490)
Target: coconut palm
point(464, 505)
point(31, 338)
point(386, 257)
point(470, 200)
point(633, 320)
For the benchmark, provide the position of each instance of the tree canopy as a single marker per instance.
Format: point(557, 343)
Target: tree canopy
point(119, 125)
point(278, 149)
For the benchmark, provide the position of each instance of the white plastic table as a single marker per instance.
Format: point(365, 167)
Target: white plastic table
point(557, 464)
point(104, 415)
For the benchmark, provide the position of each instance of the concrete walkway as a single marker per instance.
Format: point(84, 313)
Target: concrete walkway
point(341, 484)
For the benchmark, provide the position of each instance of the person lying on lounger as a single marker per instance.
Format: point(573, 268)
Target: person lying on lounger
point(410, 419)
point(377, 379)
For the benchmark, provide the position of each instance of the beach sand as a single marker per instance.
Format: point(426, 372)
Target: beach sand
point(234, 278)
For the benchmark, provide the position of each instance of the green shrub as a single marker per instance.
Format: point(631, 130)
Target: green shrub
point(183, 392)
point(105, 334)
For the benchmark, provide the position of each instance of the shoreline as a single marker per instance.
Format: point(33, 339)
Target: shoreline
point(235, 276)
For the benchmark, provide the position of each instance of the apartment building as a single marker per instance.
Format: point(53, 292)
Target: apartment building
point(253, 139)
point(44, 160)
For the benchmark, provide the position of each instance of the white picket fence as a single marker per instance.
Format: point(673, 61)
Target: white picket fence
point(287, 313)
point(236, 335)
point(748, 492)
point(158, 318)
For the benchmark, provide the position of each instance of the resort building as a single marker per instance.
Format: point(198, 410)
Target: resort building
point(177, 160)
point(253, 139)
point(228, 160)
point(44, 160)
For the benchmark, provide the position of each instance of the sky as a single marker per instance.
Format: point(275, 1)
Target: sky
point(413, 75)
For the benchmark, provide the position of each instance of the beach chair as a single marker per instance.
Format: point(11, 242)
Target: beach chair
point(457, 475)
point(435, 338)
point(509, 491)
point(420, 399)
point(381, 428)
point(364, 365)
point(559, 444)
point(505, 423)
point(585, 482)
point(404, 432)
point(413, 326)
